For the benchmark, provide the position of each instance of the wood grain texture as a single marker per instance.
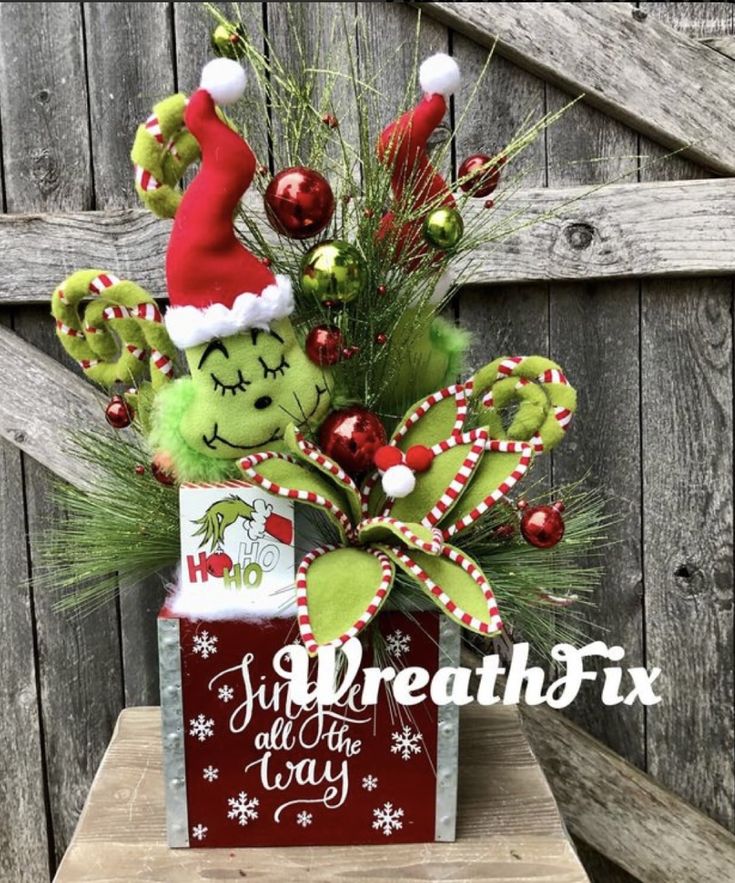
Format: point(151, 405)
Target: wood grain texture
point(43, 105)
point(43, 402)
point(687, 401)
point(677, 228)
point(78, 654)
point(595, 336)
point(627, 63)
point(509, 827)
point(23, 836)
point(623, 813)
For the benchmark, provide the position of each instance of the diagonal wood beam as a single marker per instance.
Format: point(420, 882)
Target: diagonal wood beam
point(620, 811)
point(42, 402)
point(676, 228)
point(653, 78)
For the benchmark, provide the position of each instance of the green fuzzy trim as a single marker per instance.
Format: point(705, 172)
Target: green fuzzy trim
point(169, 409)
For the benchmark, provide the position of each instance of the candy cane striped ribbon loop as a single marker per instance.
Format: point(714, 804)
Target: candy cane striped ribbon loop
point(112, 328)
point(525, 398)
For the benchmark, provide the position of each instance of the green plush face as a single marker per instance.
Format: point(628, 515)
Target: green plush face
point(248, 388)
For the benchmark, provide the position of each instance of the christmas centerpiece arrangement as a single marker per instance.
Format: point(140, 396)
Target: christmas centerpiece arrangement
point(301, 445)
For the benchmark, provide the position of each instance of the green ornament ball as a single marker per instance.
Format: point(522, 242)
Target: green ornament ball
point(443, 228)
point(333, 271)
point(226, 41)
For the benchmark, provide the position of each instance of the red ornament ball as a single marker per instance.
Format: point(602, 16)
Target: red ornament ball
point(382, 290)
point(419, 458)
point(218, 563)
point(329, 119)
point(387, 456)
point(299, 202)
point(481, 174)
point(381, 339)
point(140, 469)
point(543, 526)
point(349, 352)
point(351, 437)
point(161, 474)
point(324, 345)
point(118, 413)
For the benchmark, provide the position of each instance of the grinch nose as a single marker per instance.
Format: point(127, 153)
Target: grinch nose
point(263, 402)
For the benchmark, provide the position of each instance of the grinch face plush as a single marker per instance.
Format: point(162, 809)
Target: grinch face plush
point(228, 312)
point(247, 388)
point(244, 390)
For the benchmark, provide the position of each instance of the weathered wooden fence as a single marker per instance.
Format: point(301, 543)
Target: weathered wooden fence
point(629, 288)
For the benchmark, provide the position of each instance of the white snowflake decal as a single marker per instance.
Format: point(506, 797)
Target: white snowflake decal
point(205, 644)
point(398, 643)
point(387, 819)
point(370, 783)
point(243, 808)
point(304, 819)
point(406, 743)
point(199, 832)
point(201, 727)
point(225, 693)
point(210, 773)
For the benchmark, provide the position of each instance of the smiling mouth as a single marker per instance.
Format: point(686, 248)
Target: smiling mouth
point(277, 435)
point(216, 437)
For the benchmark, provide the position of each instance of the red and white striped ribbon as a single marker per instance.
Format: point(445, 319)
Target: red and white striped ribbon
point(493, 624)
point(302, 599)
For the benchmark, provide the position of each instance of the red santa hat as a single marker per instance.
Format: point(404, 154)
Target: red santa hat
point(416, 184)
point(216, 286)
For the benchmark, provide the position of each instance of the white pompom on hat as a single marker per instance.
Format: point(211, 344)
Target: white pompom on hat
point(224, 79)
point(439, 75)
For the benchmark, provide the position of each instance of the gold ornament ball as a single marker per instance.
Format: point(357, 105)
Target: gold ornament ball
point(333, 271)
point(443, 228)
point(226, 41)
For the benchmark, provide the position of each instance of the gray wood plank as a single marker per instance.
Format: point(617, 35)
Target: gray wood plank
point(78, 655)
point(627, 815)
point(595, 336)
point(687, 400)
point(45, 401)
point(628, 64)
point(131, 67)
point(677, 228)
point(43, 102)
point(24, 847)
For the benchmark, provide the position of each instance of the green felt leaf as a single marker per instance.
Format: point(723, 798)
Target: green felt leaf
point(340, 587)
point(494, 469)
point(293, 476)
point(457, 584)
point(387, 530)
point(436, 425)
point(298, 447)
point(431, 485)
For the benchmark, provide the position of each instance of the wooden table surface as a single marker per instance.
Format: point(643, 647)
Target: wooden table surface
point(509, 827)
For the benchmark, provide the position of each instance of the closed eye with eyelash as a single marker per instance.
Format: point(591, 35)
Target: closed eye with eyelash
point(274, 372)
point(233, 388)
